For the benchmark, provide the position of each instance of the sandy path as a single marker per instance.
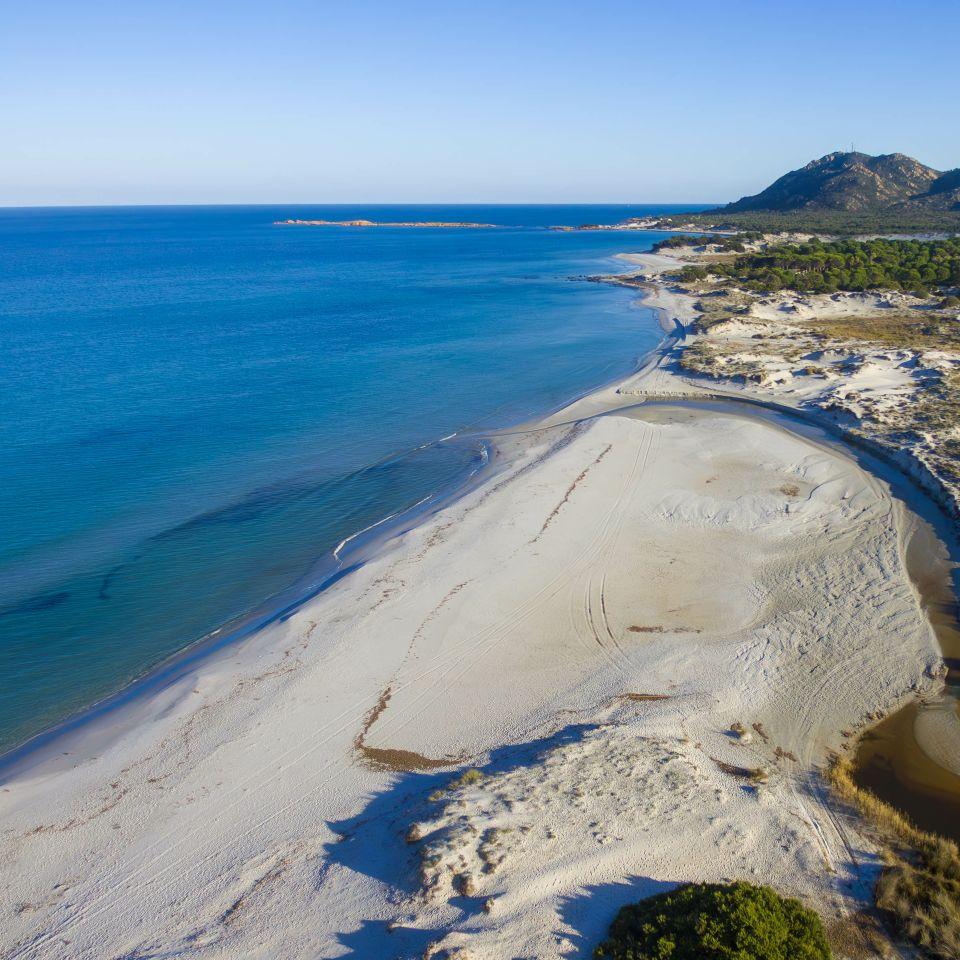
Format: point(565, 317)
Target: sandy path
point(728, 568)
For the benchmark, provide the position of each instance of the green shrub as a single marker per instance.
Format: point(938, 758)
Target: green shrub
point(712, 921)
point(690, 273)
point(467, 779)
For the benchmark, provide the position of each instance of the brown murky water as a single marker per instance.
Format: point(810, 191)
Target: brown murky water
point(907, 758)
point(891, 763)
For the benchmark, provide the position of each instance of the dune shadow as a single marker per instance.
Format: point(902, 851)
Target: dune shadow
point(589, 912)
point(373, 843)
point(377, 938)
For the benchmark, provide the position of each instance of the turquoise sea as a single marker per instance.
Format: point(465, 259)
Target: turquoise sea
point(198, 406)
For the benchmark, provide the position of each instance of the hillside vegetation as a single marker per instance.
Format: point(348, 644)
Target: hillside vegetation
point(836, 222)
point(918, 266)
point(735, 244)
point(853, 181)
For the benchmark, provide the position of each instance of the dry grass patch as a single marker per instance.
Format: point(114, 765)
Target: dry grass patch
point(919, 888)
point(908, 330)
point(716, 360)
point(859, 936)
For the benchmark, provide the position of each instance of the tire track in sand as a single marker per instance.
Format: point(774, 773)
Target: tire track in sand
point(92, 905)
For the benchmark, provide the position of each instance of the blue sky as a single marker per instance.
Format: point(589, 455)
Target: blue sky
point(364, 101)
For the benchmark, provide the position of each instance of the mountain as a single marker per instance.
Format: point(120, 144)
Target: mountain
point(857, 182)
point(944, 193)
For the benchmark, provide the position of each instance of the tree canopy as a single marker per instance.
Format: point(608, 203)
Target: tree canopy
point(820, 267)
point(720, 240)
point(712, 921)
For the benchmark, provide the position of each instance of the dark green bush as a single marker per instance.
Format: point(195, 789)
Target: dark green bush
point(690, 273)
point(712, 921)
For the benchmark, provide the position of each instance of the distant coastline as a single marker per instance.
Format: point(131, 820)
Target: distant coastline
point(374, 223)
point(632, 223)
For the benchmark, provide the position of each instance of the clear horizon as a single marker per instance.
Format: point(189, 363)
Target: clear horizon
point(442, 103)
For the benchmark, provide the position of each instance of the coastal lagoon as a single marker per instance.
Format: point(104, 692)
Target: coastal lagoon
point(199, 406)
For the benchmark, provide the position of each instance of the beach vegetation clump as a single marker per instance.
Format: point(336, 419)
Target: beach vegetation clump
point(756, 775)
point(714, 309)
point(467, 779)
point(714, 921)
point(918, 891)
point(707, 320)
point(691, 274)
point(724, 242)
point(713, 359)
point(740, 731)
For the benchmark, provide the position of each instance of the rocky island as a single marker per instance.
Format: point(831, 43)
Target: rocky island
point(435, 224)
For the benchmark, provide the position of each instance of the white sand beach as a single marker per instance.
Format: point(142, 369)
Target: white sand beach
point(583, 630)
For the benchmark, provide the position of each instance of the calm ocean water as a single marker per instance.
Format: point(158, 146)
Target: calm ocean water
point(198, 406)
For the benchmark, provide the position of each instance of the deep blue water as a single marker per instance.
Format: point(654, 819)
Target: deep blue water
point(198, 405)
